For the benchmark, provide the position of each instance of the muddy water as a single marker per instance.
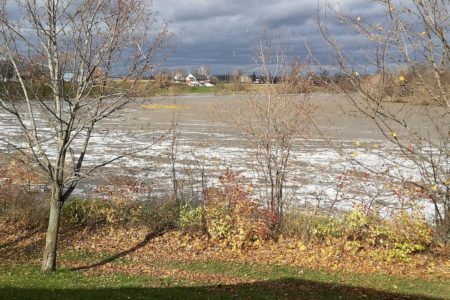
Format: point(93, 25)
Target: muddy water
point(206, 147)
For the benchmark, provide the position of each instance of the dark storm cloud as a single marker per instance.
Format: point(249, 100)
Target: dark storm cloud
point(222, 33)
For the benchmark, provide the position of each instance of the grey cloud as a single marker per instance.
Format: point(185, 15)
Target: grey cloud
point(221, 33)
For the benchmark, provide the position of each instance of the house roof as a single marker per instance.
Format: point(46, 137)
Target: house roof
point(199, 76)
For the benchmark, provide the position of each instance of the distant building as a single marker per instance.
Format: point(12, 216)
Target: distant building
point(197, 79)
point(245, 79)
point(257, 79)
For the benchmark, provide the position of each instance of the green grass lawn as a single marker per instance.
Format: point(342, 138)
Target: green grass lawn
point(217, 89)
point(184, 89)
point(260, 282)
point(198, 89)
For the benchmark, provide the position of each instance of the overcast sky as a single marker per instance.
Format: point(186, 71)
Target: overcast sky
point(222, 33)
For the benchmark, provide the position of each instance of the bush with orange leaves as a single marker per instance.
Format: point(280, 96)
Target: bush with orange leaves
point(233, 218)
point(19, 189)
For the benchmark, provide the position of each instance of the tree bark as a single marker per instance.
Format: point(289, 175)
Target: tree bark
point(51, 239)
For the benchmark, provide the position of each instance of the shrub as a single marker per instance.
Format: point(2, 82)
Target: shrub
point(121, 202)
point(159, 213)
point(191, 218)
point(398, 237)
point(409, 233)
point(308, 225)
point(233, 218)
point(95, 213)
point(23, 208)
point(401, 235)
point(19, 201)
point(155, 213)
point(326, 227)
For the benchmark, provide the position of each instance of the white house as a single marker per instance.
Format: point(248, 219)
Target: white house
point(197, 79)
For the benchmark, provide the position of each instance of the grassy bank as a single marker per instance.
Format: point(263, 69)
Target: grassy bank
point(118, 247)
point(135, 263)
point(184, 89)
point(142, 88)
point(257, 282)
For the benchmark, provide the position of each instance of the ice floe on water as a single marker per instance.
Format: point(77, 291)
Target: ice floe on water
point(204, 151)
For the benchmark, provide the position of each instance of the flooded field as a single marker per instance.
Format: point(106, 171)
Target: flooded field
point(204, 147)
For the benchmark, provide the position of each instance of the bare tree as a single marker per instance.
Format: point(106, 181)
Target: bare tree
point(204, 70)
point(412, 36)
point(163, 79)
point(180, 74)
point(6, 70)
point(173, 152)
point(271, 121)
point(86, 42)
point(236, 76)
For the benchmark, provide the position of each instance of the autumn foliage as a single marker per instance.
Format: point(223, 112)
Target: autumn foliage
point(233, 218)
point(397, 237)
point(19, 188)
point(233, 223)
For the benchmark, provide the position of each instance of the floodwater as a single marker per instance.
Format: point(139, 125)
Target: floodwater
point(205, 146)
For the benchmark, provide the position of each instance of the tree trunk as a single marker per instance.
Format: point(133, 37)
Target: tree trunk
point(446, 227)
point(51, 239)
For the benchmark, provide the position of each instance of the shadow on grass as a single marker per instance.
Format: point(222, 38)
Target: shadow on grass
point(152, 235)
point(19, 239)
point(26, 247)
point(279, 289)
